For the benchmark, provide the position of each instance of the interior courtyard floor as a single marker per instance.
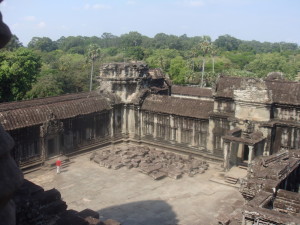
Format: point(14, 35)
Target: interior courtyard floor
point(134, 198)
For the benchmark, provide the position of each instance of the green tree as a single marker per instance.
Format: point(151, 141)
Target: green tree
point(44, 44)
point(93, 54)
point(227, 42)
point(179, 71)
point(205, 48)
point(134, 53)
point(72, 44)
point(161, 40)
point(213, 53)
point(18, 71)
point(109, 40)
point(272, 62)
point(132, 39)
point(161, 58)
point(46, 85)
point(240, 59)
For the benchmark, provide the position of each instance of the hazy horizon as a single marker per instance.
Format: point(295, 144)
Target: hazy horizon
point(260, 20)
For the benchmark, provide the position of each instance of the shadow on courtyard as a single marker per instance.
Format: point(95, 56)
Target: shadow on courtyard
point(152, 212)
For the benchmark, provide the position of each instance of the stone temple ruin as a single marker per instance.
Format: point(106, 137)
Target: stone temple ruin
point(241, 122)
point(150, 161)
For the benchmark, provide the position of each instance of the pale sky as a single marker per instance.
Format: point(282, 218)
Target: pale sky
point(261, 20)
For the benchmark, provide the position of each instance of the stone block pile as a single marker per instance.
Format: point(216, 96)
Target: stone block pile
point(150, 161)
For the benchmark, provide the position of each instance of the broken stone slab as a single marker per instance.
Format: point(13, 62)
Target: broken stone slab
point(201, 170)
point(142, 153)
point(135, 165)
point(137, 160)
point(174, 169)
point(116, 151)
point(154, 167)
point(144, 170)
point(174, 176)
point(117, 165)
point(97, 159)
point(157, 175)
point(223, 219)
point(193, 173)
point(123, 148)
point(179, 165)
point(126, 160)
point(129, 166)
point(150, 168)
point(92, 156)
point(105, 163)
point(143, 164)
point(196, 163)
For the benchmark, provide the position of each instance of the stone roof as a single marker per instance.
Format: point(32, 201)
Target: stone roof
point(20, 114)
point(284, 92)
point(178, 106)
point(192, 91)
point(253, 138)
point(226, 85)
point(281, 91)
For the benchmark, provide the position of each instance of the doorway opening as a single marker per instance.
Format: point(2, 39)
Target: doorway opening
point(246, 153)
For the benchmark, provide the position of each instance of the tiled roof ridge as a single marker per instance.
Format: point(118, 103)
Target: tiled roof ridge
point(6, 106)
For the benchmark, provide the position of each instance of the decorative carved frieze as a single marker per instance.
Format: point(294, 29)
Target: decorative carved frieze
point(51, 126)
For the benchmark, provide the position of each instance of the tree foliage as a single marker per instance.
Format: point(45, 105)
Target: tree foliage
point(43, 44)
point(49, 67)
point(18, 71)
point(265, 63)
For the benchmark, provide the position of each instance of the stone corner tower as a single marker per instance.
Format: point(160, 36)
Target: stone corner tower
point(122, 79)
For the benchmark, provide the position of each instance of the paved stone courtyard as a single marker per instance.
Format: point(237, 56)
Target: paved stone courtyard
point(134, 198)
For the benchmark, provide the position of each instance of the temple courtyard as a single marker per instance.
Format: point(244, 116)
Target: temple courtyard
point(134, 198)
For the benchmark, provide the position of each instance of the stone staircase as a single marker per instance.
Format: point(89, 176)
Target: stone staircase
point(244, 167)
point(231, 180)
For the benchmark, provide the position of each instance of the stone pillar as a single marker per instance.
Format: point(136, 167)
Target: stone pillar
point(124, 120)
point(138, 122)
point(154, 125)
point(226, 149)
point(251, 154)
point(210, 134)
point(141, 124)
point(194, 133)
point(179, 132)
point(112, 119)
point(173, 138)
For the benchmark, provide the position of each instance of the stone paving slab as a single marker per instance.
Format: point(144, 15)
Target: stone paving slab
point(133, 198)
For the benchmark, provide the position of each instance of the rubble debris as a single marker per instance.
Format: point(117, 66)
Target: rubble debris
point(271, 190)
point(150, 161)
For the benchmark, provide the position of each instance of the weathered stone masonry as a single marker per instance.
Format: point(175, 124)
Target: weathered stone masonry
point(241, 122)
point(238, 120)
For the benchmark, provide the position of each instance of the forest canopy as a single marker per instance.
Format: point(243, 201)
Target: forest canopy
point(52, 67)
